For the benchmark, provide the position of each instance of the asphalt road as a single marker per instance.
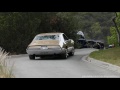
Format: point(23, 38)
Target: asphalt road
point(73, 67)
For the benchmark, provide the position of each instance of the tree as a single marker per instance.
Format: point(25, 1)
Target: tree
point(113, 38)
point(95, 30)
point(116, 21)
point(17, 29)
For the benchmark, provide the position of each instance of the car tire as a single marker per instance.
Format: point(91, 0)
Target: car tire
point(42, 57)
point(65, 55)
point(71, 53)
point(32, 57)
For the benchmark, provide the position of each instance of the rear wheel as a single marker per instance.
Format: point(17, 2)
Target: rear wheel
point(65, 55)
point(32, 57)
point(71, 53)
point(42, 57)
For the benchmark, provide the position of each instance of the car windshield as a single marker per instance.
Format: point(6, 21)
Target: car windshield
point(47, 37)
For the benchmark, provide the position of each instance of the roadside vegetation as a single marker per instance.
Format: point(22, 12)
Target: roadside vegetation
point(19, 28)
point(5, 72)
point(111, 55)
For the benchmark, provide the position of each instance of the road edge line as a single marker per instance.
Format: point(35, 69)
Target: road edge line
point(101, 63)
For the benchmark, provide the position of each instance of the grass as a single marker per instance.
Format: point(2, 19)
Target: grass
point(111, 55)
point(5, 72)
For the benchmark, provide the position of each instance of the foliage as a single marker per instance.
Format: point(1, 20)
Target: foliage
point(17, 29)
point(113, 38)
point(96, 30)
point(5, 72)
point(115, 31)
point(117, 21)
point(111, 55)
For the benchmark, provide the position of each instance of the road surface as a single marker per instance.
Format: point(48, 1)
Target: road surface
point(73, 67)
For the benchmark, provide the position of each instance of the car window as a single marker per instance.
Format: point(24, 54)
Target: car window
point(65, 37)
point(47, 37)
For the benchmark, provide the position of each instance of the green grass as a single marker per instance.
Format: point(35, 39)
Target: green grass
point(111, 55)
point(5, 72)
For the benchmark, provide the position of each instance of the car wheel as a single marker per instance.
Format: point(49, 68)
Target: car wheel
point(42, 57)
point(65, 55)
point(32, 57)
point(71, 53)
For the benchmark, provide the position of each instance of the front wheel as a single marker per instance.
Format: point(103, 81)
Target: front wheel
point(32, 57)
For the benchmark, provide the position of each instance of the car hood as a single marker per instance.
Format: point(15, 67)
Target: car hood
point(44, 42)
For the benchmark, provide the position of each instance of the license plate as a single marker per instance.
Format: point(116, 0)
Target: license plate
point(44, 47)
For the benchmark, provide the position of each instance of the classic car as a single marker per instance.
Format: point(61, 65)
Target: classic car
point(51, 44)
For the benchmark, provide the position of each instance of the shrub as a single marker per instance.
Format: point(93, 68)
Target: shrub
point(5, 72)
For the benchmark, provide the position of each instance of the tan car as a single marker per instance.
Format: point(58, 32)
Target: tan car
point(51, 44)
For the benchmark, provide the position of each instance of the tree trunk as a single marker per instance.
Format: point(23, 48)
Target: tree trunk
point(118, 32)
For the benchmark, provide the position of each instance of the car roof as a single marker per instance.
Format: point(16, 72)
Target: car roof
point(49, 34)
